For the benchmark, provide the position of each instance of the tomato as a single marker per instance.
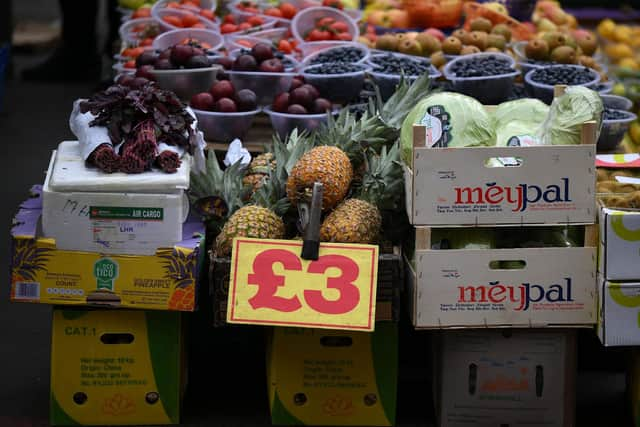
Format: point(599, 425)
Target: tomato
point(143, 12)
point(273, 11)
point(255, 21)
point(333, 3)
point(173, 20)
point(199, 25)
point(173, 5)
point(317, 35)
point(130, 64)
point(190, 20)
point(245, 43)
point(147, 42)
point(228, 28)
point(229, 19)
point(191, 4)
point(208, 14)
point(195, 3)
point(244, 26)
point(288, 10)
point(344, 36)
point(339, 27)
point(325, 22)
point(284, 46)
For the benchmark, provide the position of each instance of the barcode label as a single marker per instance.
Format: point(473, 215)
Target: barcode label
point(27, 290)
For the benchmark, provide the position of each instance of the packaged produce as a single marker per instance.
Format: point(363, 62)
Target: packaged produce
point(518, 119)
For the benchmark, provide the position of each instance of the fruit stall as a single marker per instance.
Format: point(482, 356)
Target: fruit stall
point(326, 175)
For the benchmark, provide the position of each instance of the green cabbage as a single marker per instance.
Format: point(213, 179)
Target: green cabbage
point(518, 118)
point(456, 121)
point(463, 238)
point(568, 112)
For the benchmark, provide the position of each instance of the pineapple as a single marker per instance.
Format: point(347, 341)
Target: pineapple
point(249, 221)
point(330, 166)
point(358, 220)
point(258, 170)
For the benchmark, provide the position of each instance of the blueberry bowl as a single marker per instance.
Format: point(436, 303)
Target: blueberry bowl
point(284, 123)
point(224, 127)
point(614, 126)
point(265, 85)
point(604, 88)
point(342, 52)
point(336, 81)
point(386, 70)
point(616, 102)
point(541, 81)
point(487, 77)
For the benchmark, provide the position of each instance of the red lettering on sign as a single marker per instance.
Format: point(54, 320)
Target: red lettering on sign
point(268, 282)
point(349, 293)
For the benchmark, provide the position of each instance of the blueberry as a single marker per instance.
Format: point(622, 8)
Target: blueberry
point(610, 114)
point(563, 75)
point(390, 64)
point(481, 67)
point(334, 68)
point(341, 54)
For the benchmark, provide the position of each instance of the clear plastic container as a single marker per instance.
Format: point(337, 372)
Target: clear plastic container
point(232, 41)
point(604, 88)
point(127, 34)
point(290, 64)
point(365, 54)
point(340, 88)
point(119, 68)
point(269, 23)
point(273, 34)
point(387, 82)
point(616, 102)
point(284, 123)
point(158, 14)
point(544, 92)
point(224, 127)
point(187, 82)
point(489, 90)
point(173, 37)
point(265, 85)
point(308, 48)
point(204, 4)
point(305, 21)
point(613, 131)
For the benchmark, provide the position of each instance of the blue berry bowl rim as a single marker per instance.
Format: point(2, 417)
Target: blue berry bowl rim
point(452, 76)
point(528, 77)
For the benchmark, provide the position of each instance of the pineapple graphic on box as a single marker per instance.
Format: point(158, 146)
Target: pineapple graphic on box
point(27, 260)
point(180, 267)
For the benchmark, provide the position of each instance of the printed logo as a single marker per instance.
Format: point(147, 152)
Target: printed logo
point(119, 404)
point(105, 271)
point(338, 406)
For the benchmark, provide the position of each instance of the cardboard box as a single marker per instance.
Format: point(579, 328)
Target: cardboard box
point(116, 367)
point(87, 210)
point(505, 378)
point(329, 377)
point(453, 186)
point(41, 272)
point(618, 313)
point(457, 288)
point(619, 244)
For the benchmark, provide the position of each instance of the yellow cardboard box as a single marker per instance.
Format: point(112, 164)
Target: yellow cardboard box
point(42, 273)
point(330, 377)
point(116, 367)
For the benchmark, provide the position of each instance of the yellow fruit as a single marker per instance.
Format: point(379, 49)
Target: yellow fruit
point(327, 165)
point(622, 34)
point(497, 7)
point(629, 63)
point(618, 89)
point(634, 132)
point(618, 51)
point(249, 221)
point(353, 221)
point(606, 28)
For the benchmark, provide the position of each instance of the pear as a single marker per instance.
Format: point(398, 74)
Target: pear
point(537, 49)
point(503, 30)
point(429, 43)
point(387, 42)
point(410, 47)
point(564, 55)
point(496, 40)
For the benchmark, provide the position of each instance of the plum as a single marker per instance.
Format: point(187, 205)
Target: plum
point(321, 105)
point(301, 96)
point(163, 64)
point(225, 61)
point(312, 89)
point(222, 89)
point(145, 71)
point(281, 103)
point(148, 57)
point(245, 63)
point(181, 53)
point(272, 66)
point(262, 52)
point(202, 101)
point(226, 105)
point(296, 109)
point(246, 100)
point(197, 61)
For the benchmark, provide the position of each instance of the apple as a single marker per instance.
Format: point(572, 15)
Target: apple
point(380, 18)
point(436, 33)
point(399, 18)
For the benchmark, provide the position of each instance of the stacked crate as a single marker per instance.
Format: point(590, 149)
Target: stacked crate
point(121, 261)
point(506, 376)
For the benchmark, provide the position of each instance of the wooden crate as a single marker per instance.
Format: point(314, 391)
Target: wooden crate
point(390, 284)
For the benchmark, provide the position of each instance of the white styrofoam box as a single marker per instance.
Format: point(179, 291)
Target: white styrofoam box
point(619, 313)
point(619, 257)
point(86, 210)
point(506, 378)
point(457, 288)
point(454, 186)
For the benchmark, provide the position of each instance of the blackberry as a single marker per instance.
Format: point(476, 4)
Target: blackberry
point(334, 68)
point(610, 114)
point(390, 64)
point(484, 66)
point(563, 75)
point(340, 54)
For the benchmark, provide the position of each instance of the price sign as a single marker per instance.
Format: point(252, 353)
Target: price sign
point(271, 285)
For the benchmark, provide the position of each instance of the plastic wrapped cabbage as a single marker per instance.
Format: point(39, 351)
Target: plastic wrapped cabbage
point(568, 112)
point(452, 120)
point(516, 122)
point(463, 238)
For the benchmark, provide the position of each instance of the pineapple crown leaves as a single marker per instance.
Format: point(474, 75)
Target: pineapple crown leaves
point(407, 94)
point(382, 181)
point(28, 258)
point(179, 267)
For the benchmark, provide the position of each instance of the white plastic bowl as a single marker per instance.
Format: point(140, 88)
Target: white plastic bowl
point(224, 127)
point(308, 60)
point(129, 37)
point(295, 64)
point(387, 82)
point(617, 102)
point(305, 20)
point(231, 41)
point(284, 123)
point(158, 14)
point(204, 4)
point(338, 88)
point(187, 82)
point(173, 37)
point(544, 92)
point(120, 69)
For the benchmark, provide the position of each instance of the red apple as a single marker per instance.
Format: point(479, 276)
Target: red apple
point(225, 105)
point(202, 101)
point(296, 109)
point(281, 103)
point(222, 89)
point(301, 96)
point(272, 66)
point(436, 33)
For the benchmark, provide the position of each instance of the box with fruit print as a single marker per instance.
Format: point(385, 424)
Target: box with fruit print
point(329, 377)
point(116, 367)
point(42, 273)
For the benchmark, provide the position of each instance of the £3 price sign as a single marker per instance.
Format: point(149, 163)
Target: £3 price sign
point(271, 285)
